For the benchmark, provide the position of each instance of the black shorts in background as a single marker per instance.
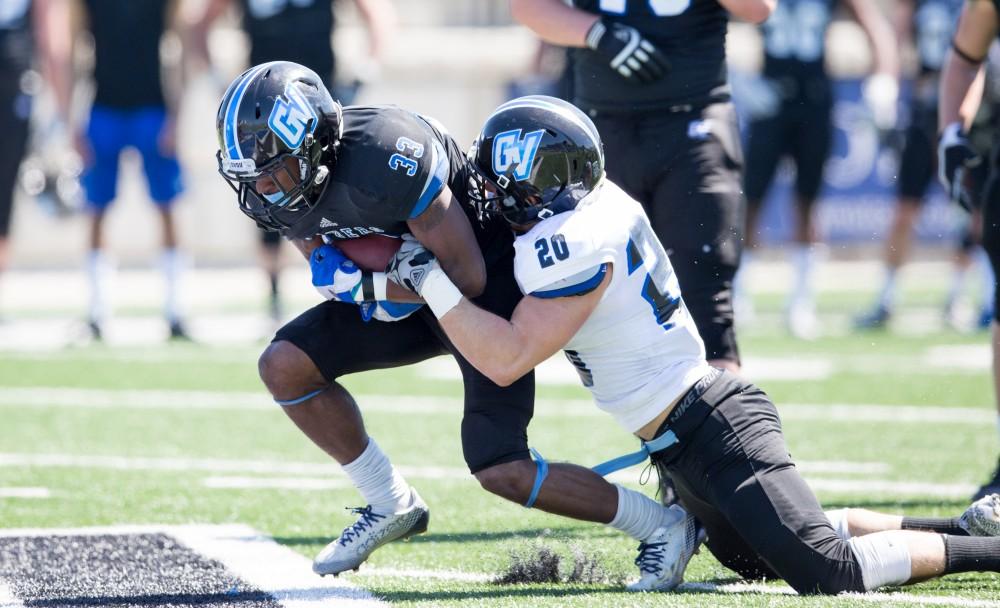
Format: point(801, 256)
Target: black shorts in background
point(800, 130)
point(917, 163)
point(15, 109)
point(685, 168)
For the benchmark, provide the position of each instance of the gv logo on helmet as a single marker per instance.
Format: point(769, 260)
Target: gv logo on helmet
point(292, 119)
point(510, 149)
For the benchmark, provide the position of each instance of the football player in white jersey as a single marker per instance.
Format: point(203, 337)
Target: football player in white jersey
point(598, 285)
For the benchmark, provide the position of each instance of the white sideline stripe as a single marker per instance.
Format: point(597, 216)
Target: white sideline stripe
point(25, 492)
point(875, 597)
point(878, 486)
point(258, 400)
point(441, 575)
point(218, 465)
point(7, 599)
point(274, 483)
point(834, 486)
point(254, 557)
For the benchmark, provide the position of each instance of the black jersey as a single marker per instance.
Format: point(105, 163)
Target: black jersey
point(795, 37)
point(16, 41)
point(291, 30)
point(934, 22)
point(127, 51)
point(390, 165)
point(692, 33)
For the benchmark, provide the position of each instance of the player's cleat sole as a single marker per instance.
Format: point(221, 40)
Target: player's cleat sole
point(664, 557)
point(983, 517)
point(371, 531)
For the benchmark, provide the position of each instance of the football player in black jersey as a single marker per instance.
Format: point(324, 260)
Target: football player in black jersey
point(135, 105)
point(652, 76)
point(978, 27)
point(318, 174)
point(928, 26)
point(299, 31)
point(24, 25)
point(797, 123)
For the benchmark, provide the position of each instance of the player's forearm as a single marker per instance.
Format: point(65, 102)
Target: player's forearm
point(554, 21)
point(493, 345)
point(752, 11)
point(957, 85)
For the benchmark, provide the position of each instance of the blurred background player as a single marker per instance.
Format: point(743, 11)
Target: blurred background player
point(135, 105)
point(978, 26)
point(652, 76)
point(23, 26)
point(926, 26)
point(797, 123)
point(300, 31)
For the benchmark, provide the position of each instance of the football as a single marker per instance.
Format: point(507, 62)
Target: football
point(372, 252)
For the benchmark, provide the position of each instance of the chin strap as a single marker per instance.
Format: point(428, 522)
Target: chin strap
point(541, 472)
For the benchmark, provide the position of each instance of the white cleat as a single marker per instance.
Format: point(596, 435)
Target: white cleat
point(983, 517)
point(371, 531)
point(665, 555)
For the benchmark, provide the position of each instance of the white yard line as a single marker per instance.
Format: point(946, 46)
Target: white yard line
point(258, 400)
point(330, 476)
point(254, 557)
point(274, 483)
point(7, 599)
point(26, 492)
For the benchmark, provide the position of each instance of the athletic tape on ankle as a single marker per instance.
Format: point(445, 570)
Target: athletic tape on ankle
point(440, 293)
point(541, 472)
point(301, 399)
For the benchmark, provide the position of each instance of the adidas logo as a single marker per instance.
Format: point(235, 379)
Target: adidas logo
point(325, 223)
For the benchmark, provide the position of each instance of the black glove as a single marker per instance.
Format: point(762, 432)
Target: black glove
point(627, 52)
point(956, 159)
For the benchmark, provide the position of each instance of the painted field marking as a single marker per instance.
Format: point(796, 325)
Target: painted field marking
point(25, 492)
point(7, 599)
point(254, 557)
point(289, 470)
point(259, 401)
point(274, 483)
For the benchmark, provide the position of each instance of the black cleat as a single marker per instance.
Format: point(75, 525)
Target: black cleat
point(179, 332)
point(96, 330)
point(877, 318)
point(990, 487)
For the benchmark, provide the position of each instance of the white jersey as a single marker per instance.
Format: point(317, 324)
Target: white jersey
point(639, 350)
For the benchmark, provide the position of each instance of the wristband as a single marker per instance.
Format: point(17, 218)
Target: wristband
point(379, 285)
point(440, 293)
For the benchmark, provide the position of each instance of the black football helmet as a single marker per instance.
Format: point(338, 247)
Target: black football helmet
point(277, 125)
point(536, 156)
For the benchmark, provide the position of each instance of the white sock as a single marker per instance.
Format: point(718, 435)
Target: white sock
point(173, 264)
point(887, 297)
point(379, 482)
point(638, 515)
point(955, 286)
point(804, 258)
point(99, 274)
point(740, 280)
point(986, 275)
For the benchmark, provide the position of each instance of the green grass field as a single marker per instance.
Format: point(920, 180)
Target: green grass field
point(185, 433)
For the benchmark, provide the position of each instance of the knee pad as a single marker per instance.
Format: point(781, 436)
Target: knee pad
point(838, 519)
point(884, 560)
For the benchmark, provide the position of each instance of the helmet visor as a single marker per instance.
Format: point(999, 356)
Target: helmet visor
point(273, 195)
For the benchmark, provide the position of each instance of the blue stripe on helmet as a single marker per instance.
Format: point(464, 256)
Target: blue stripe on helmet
point(229, 125)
